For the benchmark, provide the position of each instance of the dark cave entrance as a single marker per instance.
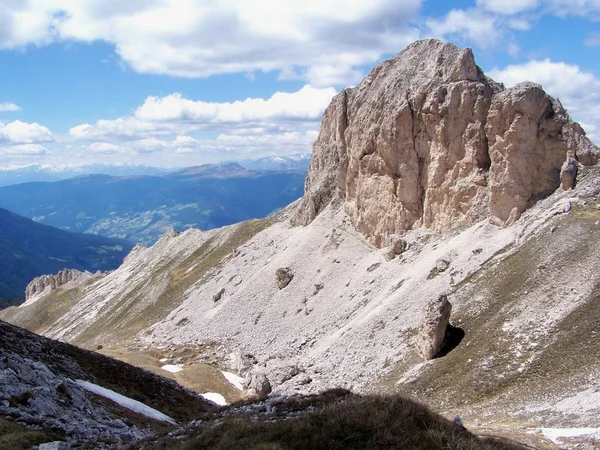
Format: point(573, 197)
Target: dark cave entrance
point(452, 338)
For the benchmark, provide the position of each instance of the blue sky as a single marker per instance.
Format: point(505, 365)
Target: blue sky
point(182, 82)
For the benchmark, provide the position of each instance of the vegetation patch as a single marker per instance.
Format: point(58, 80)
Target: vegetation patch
point(332, 420)
point(15, 436)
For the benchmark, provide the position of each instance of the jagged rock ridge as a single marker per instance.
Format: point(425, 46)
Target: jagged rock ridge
point(427, 140)
point(48, 283)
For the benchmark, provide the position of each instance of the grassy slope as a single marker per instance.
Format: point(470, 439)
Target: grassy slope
point(332, 420)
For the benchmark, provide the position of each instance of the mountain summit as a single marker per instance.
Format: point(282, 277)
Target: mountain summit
point(427, 140)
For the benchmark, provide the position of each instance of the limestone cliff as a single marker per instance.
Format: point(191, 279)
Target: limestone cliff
point(47, 283)
point(427, 140)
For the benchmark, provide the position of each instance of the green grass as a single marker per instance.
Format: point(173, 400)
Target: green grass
point(334, 420)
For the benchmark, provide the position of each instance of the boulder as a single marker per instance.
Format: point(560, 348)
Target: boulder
point(259, 386)
point(432, 330)
point(218, 295)
point(568, 173)
point(284, 276)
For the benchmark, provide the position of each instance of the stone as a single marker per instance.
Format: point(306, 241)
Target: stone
point(259, 386)
point(218, 295)
point(442, 264)
point(568, 173)
point(432, 329)
point(427, 140)
point(284, 276)
point(397, 244)
point(56, 445)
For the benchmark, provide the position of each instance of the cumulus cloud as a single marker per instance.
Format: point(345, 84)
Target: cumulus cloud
point(307, 104)
point(578, 90)
point(4, 107)
point(18, 132)
point(474, 25)
point(199, 38)
point(176, 115)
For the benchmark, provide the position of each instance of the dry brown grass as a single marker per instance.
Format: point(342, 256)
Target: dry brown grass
point(336, 422)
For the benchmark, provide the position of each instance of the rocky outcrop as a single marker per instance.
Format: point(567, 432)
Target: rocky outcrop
point(284, 276)
point(432, 330)
point(48, 283)
point(427, 140)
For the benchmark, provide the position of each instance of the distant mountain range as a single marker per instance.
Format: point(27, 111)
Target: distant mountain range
point(39, 172)
point(140, 208)
point(29, 249)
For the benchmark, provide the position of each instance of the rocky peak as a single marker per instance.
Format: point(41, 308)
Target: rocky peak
point(47, 283)
point(427, 140)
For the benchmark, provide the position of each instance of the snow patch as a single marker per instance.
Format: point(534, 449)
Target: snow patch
point(234, 379)
point(215, 398)
point(125, 402)
point(173, 368)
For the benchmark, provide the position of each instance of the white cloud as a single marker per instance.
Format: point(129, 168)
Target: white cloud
point(508, 7)
point(176, 115)
point(199, 38)
point(307, 104)
point(8, 107)
point(474, 25)
point(18, 132)
point(24, 150)
point(579, 91)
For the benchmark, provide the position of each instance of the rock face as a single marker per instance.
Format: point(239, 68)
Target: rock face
point(51, 282)
point(432, 330)
point(427, 140)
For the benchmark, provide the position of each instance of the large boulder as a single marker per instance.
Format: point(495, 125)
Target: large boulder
point(427, 140)
point(435, 320)
point(259, 386)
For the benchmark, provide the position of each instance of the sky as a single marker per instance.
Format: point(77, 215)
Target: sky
point(174, 83)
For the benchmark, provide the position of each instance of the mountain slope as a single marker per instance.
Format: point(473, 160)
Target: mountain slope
point(29, 249)
point(475, 194)
point(141, 208)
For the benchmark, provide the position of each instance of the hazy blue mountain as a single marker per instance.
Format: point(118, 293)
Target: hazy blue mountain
point(141, 208)
point(29, 249)
point(37, 172)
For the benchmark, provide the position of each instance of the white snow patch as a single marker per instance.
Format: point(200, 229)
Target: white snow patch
point(234, 379)
point(125, 402)
point(163, 359)
point(215, 398)
point(554, 434)
point(173, 368)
